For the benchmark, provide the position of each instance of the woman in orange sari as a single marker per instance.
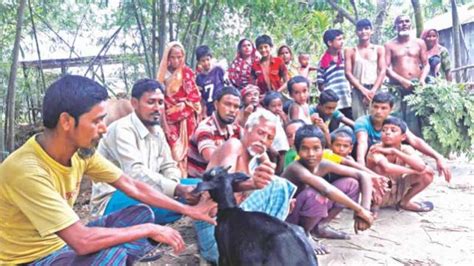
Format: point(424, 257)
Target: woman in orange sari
point(182, 102)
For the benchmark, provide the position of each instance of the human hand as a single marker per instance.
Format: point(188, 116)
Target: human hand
point(179, 107)
point(382, 150)
point(363, 219)
point(203, 211)
point(319, 122)
point(406, 84)
point(185, 192)
point(249, 109)
point(263, 173)
point(167, 235)
point(443, 169)
point(360, 225)
point(371, 94)
point(380, 186)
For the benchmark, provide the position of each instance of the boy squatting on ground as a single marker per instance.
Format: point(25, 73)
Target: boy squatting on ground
point(407, 172)
point(318, 201)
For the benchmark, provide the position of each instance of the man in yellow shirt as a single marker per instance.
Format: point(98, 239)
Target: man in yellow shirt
point(39, 184)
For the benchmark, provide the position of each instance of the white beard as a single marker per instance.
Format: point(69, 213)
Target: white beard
point(404, 33)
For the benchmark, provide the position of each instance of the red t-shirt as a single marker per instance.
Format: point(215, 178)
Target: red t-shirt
point(277, 72)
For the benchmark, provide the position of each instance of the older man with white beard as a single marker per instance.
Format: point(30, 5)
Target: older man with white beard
point(407, 64)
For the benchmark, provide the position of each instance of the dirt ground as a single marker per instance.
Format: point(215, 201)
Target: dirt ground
point(444, 236)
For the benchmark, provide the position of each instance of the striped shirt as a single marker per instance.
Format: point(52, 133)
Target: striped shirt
point(334, 78)
point(208, 135)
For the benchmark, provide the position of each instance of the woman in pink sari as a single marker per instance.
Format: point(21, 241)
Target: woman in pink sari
point(239, 70)
point(182, 102)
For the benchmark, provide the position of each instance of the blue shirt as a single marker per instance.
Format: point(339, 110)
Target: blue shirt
point(336, 116)
point(210, 85)
point(364, 124)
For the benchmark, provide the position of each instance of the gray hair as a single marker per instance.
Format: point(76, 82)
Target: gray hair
point(261, 113)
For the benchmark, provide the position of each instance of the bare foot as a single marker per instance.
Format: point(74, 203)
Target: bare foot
point(331, 233)
point(318, 247)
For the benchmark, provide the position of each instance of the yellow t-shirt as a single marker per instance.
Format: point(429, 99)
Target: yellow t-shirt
point(36, 198)
point(330, 156)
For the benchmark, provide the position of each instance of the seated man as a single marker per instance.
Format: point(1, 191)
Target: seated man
point(368, 131)
point(250, 96)
point(271, 194)
point(213, 131)
point(40, 182)
point(136, 143)
point(313, 211)
point(407, 172)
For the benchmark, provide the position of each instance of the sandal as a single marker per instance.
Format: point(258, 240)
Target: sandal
point(423, 206)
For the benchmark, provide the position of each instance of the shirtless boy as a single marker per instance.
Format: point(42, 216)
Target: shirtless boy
point(407, 172)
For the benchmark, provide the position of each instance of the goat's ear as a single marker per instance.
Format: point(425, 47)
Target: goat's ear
point(204, 186)
point(238, 177)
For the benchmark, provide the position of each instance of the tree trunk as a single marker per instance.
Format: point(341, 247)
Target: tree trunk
point(382, 6)
point(162, 33)
point(10, 112)
point(143, 39)
point(170, 20)
point(456, 41)
point(418, 17)
point(154, 18)
point(33, 26)
point(342, 11)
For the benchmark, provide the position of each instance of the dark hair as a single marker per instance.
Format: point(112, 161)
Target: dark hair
point(308, 131)
point(269, 97)
point(294, 121)
point(241, 42)
point(363, 23)
point(263, 39)
point(327, 96)
point(396, 122)
point(343, 132)
point(383, 97)
point(72, 94)
point(202, 51)
point(284, 46)
point(228, 90)
point(143, 85)
point(294, 80)
point(286, 105)
point(330, 35)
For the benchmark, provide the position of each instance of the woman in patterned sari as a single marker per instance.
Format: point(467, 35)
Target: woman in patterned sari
point(182, 102)
point(239, 70)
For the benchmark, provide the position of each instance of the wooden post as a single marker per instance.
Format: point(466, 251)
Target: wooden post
point(456, 42)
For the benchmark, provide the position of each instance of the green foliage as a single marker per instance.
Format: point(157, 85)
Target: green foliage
point(447, 111)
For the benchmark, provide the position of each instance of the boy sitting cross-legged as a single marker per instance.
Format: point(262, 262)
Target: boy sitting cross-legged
point(407, 172)
point(317, 200)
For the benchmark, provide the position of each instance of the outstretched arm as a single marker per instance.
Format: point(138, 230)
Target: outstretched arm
point(422, 146)
point(362, 146)
point(365, 179)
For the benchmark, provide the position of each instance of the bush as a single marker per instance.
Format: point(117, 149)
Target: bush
point(447, 110)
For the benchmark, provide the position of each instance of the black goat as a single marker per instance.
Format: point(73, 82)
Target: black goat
point(252, 238)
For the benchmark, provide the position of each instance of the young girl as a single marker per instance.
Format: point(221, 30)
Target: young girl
point(273, 102)
point(285, 53)
point(298, 87)
point(239, 70)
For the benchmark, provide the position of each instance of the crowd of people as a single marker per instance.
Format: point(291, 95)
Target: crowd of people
point(314, 139)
